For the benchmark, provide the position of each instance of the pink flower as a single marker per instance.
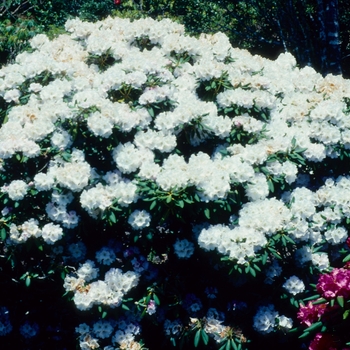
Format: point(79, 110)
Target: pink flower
point(334, 284)
point(348, 242)
point(324, 341)
point(310, 313)
point(151, 307)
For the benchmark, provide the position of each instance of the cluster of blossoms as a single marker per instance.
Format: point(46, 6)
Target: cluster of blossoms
point(130, 123)
point(294, 285)
point(122, 334)
point(268, 320)
point(330, 309)
point(109, 291)
point(5, 323)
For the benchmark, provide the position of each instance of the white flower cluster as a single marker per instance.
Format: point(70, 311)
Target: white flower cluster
point(172, 328)
point(267, 320)
point(50, 232)
point(77, 85)
point(256, 221)
point(294, 285)
point(5, 323)
point(139, 219)
point(109, 291)
point(122, 334)
point(183, 248)
point(239, 243)
point(16, 190)
point(29, 329)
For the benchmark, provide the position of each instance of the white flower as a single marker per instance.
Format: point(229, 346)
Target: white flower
point(336, 235)
point(172, 327)
point(183, 248)
point(151, 307)
point(320, 260)
point(257, 188)
point(139, 219)
point(88, 271)
point(83, 328)
point(5, 324)
point(294, 285)
point(16, 190)
point(51, 233)
point(43, 182)
point(273, 271)
point(105, 256)
point(102, 329)
point(285, 322)
point(61, 139)
point(12, 96)
point(77, 250)
point(265, 319)
point(303, 255)
point(29, 330)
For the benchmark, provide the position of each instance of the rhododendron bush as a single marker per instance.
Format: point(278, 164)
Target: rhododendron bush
point(173, 190)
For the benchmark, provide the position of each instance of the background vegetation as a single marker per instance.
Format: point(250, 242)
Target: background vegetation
point(306, 28)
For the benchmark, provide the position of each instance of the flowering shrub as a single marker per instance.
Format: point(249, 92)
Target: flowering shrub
point(329, 311)
point(161, 178)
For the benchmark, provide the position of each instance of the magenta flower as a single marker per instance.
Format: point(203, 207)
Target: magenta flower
point(310, 313)
point(334, 284)
point(324, 341)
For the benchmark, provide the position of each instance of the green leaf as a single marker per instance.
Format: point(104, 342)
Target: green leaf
point(234, 345)
point(207, 213)
point(314, 326)
point(153, 204)
point(156, 299)
point(125, 307)
point(294, 330)
point(346, 314)
point(228, 345)
point(304, 335)
point(180, 203)
point(66, 156)
point(28, 281)
point(252, 271)
point(271, 186)
point(289, 239)
point(340, 300)
point(284, 242)
point(347, 258)
point(112, 218)
point(197, 337)
point(104, 314)
point(150, 111)
point(222, 347)
point(313, 297)
point(3, 234)
point(256, 267)
point(205, 337)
